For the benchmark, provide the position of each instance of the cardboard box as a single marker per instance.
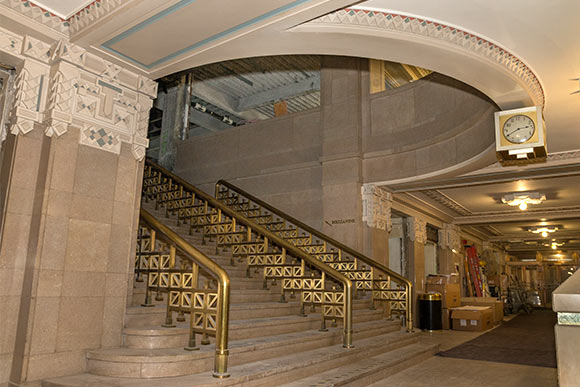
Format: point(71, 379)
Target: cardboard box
point(441, 279)
point(495, 304)
point(450, 294)
point(472, 318)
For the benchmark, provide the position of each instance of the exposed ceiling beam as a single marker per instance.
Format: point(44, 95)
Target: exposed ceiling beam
point(286, 91)
point(207, 121)
point(222, 100)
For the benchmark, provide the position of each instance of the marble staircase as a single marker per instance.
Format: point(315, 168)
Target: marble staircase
point(270, 343)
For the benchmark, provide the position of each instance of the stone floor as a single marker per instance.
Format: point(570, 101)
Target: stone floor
point(444, 371)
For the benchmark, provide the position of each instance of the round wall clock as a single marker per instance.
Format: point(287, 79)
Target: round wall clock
point(518, 129)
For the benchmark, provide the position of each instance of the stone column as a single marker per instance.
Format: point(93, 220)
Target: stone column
point(340, 97)
point(72, 172)
point(448, 253)
point(416, 230)
point(416, 239)
point(376, 216)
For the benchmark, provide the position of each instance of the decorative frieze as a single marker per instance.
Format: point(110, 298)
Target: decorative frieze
point(565, 318)
point(410, 25)
point(92, 13)
point(100, 138)
point(417, 229)
point(62, 84)
point(28, 101)
point(449, 237)
point(376, 207)
point(37, 14)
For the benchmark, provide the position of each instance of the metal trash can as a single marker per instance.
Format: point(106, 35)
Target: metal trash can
point(430, 312)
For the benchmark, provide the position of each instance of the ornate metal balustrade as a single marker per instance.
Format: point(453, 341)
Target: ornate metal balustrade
point(384, 285)
point(257, 237)
point(191, 282)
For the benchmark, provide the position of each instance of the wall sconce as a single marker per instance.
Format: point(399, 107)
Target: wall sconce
point(523, 199)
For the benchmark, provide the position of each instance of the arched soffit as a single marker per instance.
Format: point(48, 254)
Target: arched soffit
point(446, 49)
point(433, 126)
point(313, 27)
point(463, 55)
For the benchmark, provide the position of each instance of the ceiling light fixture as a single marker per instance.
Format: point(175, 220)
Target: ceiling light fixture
point(523, 199)
point(544, 231)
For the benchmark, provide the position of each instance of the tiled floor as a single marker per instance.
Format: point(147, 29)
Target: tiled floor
point(445, 371)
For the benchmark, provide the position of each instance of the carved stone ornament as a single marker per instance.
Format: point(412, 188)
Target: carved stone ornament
point(62, 84)
point(449, 237)
point(417, 229)
point(376, 207)
point(476, 46)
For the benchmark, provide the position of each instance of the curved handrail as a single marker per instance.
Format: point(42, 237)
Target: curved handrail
point(347, 283)
point(221, 347)
point(408, 284)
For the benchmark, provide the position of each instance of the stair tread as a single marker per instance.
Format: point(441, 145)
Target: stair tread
point(245, 372)
point(360, 369)
point(124, 354)
point(255, 322)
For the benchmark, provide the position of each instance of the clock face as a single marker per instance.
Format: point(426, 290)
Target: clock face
point(518, 129)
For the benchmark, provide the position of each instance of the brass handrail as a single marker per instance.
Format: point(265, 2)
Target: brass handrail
point(221, 345)
point(240, 219)
point(399, 278)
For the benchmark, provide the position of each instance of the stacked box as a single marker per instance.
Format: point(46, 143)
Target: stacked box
point(472, 318)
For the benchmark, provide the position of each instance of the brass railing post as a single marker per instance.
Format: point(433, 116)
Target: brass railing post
point(341, 248)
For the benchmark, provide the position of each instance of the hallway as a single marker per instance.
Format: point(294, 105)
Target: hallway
point(491, 359)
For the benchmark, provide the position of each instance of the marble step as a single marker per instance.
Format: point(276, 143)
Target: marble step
point(140, 317)
point(280, 370)
point(243, 328)
point(154, 363)
point(278, 367)
point(372, 370)
point(237, 297)
point(148, 332)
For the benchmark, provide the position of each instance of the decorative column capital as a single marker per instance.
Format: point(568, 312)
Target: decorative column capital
point(60, 85)
point(376, 203)
point(449, 237)
point(417, 229)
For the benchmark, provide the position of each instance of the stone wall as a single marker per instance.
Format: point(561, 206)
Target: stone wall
point(425, 126)
point(312, 164)
point(278, 160)
point(66, 248)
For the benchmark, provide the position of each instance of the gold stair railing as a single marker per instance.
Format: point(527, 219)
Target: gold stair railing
point(158, 248)
point(318, 284)
point(377, 279)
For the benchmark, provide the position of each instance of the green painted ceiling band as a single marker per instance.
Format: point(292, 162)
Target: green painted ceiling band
point(183, 3)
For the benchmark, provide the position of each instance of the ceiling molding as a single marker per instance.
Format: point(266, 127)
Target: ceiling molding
point(412, 206)
point(446, 201)
point(518, 216)
point(481, 177)
point(532, 237)
point(467, 41)
point(556, 158)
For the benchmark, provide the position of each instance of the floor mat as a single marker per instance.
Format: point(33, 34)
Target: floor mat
point(526, 339)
